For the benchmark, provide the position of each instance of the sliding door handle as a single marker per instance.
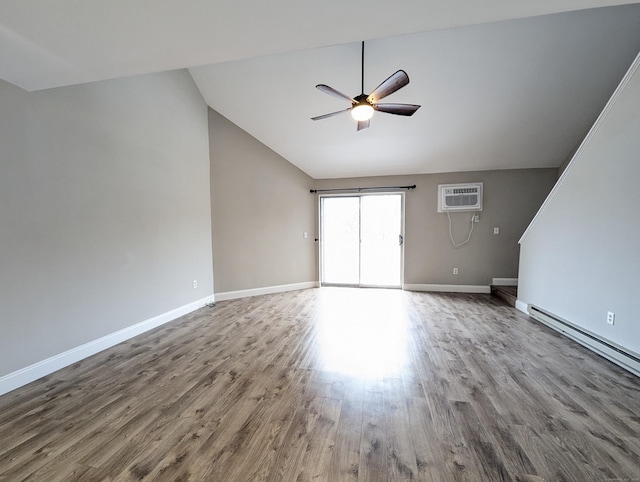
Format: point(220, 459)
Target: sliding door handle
point(400, 239)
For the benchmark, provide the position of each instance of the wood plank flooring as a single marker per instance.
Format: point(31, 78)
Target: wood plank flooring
point(508, 294)
point(331, 384)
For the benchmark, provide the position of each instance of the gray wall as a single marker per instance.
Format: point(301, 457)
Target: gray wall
point(581, 256)
point(511, 198)
point(260, 206)
point(104, 210)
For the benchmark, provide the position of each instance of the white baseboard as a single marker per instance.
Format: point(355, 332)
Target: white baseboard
point(26, 375)
point(447, 288)
point(522, 306)
point(504, 281)
point(610, 350)
point(267, 290)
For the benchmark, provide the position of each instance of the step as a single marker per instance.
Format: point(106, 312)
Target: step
point(508, 294)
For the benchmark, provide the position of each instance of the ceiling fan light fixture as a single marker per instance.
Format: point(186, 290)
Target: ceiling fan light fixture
point(363, 105)
point(362, 112)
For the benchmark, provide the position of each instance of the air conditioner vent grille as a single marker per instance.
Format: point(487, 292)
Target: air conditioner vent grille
point(460, 197)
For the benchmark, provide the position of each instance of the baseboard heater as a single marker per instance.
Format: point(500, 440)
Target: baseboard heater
point(611, 351)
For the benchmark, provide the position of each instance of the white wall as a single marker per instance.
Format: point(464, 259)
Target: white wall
point(104, 210)
point(580, 258)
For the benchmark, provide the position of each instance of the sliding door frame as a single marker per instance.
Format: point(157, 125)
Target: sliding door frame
point(321, 245)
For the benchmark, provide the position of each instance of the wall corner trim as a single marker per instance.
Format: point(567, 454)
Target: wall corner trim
point(28, 374)
point(267, 290)
point(437, 288)
point(522, 306)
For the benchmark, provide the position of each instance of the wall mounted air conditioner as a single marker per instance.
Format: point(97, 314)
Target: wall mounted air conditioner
point(460, 197)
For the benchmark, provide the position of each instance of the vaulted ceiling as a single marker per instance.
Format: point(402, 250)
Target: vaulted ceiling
point(502, 84)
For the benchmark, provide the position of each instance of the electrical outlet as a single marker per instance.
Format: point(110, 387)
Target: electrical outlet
point(455, 270)
point(195, 283)
point(496, 230)
point(611, 317)
point(476, 218)
point(305, 235)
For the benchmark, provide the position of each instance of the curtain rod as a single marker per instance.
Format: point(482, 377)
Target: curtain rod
point(360, 189)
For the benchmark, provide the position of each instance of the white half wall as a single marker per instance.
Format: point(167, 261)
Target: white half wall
point(580, 257)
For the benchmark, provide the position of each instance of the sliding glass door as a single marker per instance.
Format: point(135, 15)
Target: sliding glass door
point(361, 240)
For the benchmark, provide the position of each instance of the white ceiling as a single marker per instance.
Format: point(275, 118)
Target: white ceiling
point(508, 94)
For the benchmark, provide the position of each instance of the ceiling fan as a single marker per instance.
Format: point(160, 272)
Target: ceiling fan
point(362, 106)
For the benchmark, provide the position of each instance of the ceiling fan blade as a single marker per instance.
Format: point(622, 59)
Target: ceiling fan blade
point(395, 82)
point(398, 109)
point(331, 91)
point(363, 124)
point(324, 116)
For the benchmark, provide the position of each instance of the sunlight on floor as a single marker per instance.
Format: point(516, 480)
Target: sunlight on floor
point(362, 332)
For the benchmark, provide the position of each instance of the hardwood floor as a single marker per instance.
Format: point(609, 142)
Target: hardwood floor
point(331, 384)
